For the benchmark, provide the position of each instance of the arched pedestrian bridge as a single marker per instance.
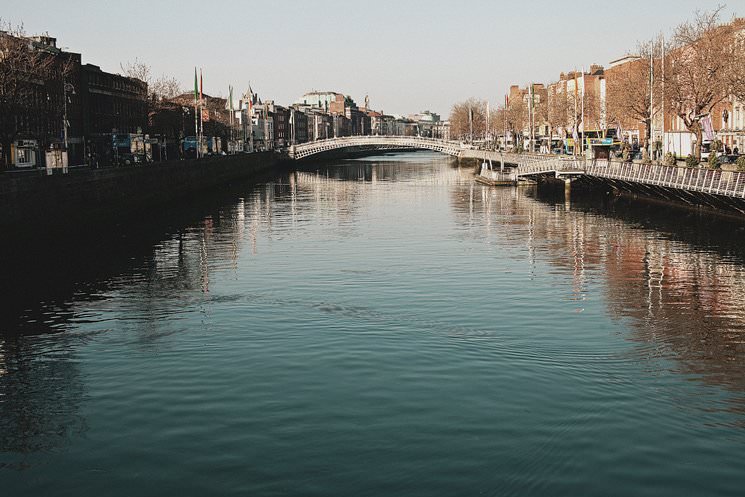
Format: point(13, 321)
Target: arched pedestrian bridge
point(374, 142)
point(691, 185)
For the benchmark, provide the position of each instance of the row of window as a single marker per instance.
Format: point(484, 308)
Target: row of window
point(104, 80)
point(108, 105)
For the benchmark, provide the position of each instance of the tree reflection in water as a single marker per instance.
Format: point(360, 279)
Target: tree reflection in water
point(677, 277)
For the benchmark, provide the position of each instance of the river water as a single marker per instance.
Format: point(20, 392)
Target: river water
point(380, 326)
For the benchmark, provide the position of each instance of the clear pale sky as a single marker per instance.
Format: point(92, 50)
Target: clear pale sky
point(407, 55)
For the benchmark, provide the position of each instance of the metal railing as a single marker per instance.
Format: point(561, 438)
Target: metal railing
point(540, 165)
point(712, 181)
point(315, 147)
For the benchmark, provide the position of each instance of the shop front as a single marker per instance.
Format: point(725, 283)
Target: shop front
point(25, 153)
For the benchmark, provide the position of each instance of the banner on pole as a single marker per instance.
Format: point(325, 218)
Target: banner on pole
point(708, 128)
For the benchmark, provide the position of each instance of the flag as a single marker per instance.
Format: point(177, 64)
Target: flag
point(506, 101)
point(201, 86)
point(487, 119)
point(708, 128)
point(196, 89)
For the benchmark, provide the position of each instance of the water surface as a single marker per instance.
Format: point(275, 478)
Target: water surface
point(380, 327)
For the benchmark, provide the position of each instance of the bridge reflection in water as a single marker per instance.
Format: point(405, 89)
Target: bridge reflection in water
point(691, 185)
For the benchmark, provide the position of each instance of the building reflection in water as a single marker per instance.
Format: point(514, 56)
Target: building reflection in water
point(41, 391)
point(683, 298)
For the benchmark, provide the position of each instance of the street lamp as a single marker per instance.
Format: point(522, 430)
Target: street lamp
point(66, 88)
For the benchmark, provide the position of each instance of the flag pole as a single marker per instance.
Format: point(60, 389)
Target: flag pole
point(583, 112)
point(575, 131)
point(506, 105)
point(250, 117)
point(201, 109)
point(664, 139)
point(487, 120)
point(530, 114)
point(196, 112)
point(230, 119)
point(651, 98)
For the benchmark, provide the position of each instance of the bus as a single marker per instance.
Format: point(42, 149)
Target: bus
point(128, 148)
point(595, 138)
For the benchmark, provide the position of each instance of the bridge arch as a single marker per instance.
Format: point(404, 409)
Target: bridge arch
point(304, 150)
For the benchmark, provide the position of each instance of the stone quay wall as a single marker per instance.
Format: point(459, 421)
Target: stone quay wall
point(30, 198)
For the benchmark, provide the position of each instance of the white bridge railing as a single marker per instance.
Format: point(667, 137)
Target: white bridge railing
point(535, 165)
point(311, 148)
point(713, 181)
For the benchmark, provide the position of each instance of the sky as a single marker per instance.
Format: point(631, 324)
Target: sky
point(407, 55)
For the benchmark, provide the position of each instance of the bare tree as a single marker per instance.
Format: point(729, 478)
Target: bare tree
point(628, 89)
point(700, 72)
point(31, 86)
point(160, 90)
point(498, 119)
point(468, 119)
point(542, 114)
point(165, 87)
point(517, 118)
point(137, 70)
point(560, 109)
point(738, 60)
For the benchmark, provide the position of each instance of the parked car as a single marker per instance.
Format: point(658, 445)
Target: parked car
point(728, 159)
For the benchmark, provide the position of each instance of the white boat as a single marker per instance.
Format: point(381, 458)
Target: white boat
point(489, 176)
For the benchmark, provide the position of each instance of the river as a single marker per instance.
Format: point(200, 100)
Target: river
point(379, 326)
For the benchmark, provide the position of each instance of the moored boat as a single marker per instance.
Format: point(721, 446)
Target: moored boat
point(489, 176)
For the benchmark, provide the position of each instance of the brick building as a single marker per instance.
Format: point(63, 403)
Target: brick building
point(48, 96)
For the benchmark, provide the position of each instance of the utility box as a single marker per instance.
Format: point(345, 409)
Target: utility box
point(56, 159)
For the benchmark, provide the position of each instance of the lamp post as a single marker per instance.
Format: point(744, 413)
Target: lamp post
point(66, 88)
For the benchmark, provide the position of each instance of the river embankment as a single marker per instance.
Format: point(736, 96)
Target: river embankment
point(33, 199)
